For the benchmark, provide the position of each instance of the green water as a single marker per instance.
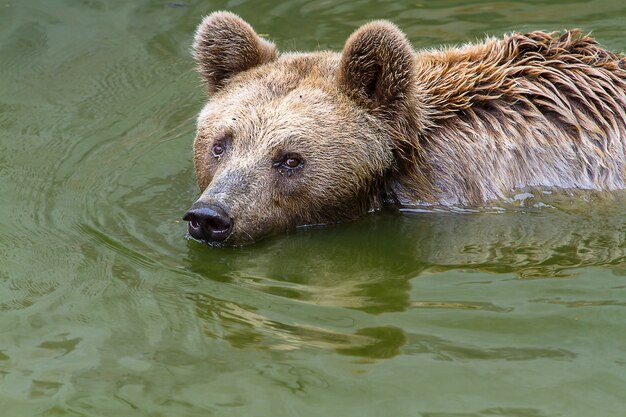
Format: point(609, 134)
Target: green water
point(107, 310)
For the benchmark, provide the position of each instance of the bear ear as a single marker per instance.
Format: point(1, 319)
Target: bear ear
point(225, 45)
point(376, 68)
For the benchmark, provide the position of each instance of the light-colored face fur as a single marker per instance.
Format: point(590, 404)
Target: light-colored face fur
point(293, 139)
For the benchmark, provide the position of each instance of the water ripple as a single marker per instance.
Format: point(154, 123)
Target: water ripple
point(107, 309)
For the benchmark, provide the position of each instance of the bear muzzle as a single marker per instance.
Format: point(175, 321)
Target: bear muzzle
point(208, 222)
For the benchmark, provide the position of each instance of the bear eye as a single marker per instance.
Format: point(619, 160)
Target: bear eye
point(289, 164)
point(292, 163)
point(217, 150)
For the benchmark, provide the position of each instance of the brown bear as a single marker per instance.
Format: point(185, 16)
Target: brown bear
point(312, 138)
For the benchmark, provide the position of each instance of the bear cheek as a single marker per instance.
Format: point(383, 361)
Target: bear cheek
point(274, 209)
point(254, 222)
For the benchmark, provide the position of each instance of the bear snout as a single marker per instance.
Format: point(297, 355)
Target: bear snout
point(208, 222)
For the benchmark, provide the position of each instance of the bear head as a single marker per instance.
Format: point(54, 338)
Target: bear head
point(297, 138)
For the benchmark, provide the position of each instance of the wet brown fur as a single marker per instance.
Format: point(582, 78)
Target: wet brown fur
point(535, 109)
point(380, 124)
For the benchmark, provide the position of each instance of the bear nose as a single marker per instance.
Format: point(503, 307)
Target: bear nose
point(209, 223)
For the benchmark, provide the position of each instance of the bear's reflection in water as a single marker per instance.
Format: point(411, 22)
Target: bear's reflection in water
point(367, 266)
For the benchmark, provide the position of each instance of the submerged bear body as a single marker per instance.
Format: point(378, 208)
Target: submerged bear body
point(310, 138)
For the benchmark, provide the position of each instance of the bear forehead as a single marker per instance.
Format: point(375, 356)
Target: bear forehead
point(291, 118)
point(289, 72)
point(256, 106)
point(294, 89)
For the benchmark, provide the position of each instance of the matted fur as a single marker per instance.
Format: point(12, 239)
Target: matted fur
point(380, 124)
point(535, 109)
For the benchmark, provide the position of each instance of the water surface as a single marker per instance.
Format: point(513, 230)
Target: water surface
point(107, 310)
